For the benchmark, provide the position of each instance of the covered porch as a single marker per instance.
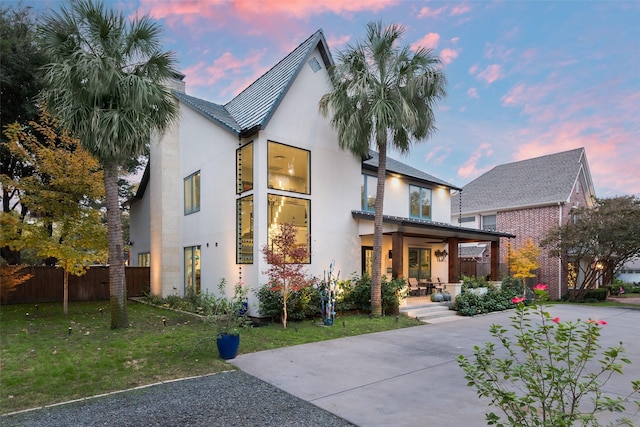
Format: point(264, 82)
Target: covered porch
point(423, 250)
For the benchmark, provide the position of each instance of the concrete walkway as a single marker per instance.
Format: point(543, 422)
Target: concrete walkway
point(410, 377)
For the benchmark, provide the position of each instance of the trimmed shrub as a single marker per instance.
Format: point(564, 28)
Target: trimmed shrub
point(302, 304)
point(470, 304)
point(599, 294)
point(355, 294)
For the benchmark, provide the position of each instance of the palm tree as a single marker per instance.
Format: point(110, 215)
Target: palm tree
point(383, 94)
point(106, 85)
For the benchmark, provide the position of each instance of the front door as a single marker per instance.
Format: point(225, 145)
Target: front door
point(420, 263)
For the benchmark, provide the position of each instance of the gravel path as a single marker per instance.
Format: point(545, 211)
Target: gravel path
point(225, 399)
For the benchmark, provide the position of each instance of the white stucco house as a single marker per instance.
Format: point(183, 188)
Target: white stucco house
point(222, 179)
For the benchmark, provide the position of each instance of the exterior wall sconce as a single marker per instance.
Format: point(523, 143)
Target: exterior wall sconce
point(390, 254)
point(441, 255)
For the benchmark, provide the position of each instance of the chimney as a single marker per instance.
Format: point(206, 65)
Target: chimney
point(177, 83)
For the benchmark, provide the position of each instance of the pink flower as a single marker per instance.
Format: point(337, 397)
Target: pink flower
point(556, 319)
point(517, 300)
point(597, 322)
point(540, 287)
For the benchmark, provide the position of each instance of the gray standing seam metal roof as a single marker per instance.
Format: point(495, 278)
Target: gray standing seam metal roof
point(539, 181)
point(254, 106)
point(394, 166)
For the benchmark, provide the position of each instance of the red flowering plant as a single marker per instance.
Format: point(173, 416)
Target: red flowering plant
point(547, 372)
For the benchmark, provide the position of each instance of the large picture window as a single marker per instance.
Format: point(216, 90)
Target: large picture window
point(292, 210)
point(244, 168)
point(244, 227)
point(192, 270)
point(368, 193)
point(192, 193)
point(419, 202)
point(289, 168)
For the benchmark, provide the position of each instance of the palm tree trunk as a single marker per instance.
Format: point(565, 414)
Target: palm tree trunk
point(376, 279)
point(117, 286)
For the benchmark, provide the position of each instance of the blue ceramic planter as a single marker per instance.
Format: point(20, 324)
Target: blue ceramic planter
point(228, 346)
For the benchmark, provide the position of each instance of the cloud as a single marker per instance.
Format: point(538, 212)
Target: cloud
point(448, 55)
point(337, 42)
point(490, 74)
point(237, 73)
point(305, 8)
point(438, 155)
point(469, 168)
point(428, 12)
point(429, 41)
point(473, 93)
point(459, 10)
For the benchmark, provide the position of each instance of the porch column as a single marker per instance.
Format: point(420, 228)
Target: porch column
point(495, 260)
point(397, 262)
point(454, 260)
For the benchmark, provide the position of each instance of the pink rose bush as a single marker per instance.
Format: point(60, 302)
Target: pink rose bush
point(548, 372)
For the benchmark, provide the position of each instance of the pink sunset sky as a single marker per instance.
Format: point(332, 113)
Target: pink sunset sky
point(524, 78)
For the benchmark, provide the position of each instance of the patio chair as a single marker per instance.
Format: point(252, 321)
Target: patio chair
point(413, 286)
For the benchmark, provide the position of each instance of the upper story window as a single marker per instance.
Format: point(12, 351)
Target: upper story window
point(244, 168)
point(368, 193)
point(192, 193)
point(489, 222)
point(467, 219)
point(289, 168)
point(419, 202)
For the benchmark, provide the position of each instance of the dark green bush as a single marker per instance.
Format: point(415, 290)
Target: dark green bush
point(470, 304)
point(599, 294)
point(355, 294)
point(472, 282)
point(301, 304)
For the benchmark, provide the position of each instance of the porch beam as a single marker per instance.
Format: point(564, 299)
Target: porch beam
point(454, 260)
point(397, 262)
point(495, 260)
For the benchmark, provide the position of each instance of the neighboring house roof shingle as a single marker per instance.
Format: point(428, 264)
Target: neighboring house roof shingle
point(471, 251)
point(252, 108)
point(539, 181)
point(395, 166)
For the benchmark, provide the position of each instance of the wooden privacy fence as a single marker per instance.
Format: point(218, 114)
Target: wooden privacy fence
point(47, 285)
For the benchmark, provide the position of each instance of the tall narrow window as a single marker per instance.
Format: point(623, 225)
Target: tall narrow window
point(419, 202)
point(368, 193)
point(192, 270)
point(244, 168)
point(192, 193)
point(144, 259)
point(367, 260)
point(244, 227)
point(289, 168)
point(292, 210)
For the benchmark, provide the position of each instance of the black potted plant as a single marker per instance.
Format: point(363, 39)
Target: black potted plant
point(229, 317)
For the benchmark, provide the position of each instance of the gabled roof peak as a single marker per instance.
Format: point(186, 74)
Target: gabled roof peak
point(538, 181)
point(252, 108)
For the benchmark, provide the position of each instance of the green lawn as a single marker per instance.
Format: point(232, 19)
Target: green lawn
point(48, 358)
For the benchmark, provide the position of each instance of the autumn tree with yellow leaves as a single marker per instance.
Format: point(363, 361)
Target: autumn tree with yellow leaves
point(63, 223)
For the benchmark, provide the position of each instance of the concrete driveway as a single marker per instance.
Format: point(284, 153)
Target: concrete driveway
point(410, 377)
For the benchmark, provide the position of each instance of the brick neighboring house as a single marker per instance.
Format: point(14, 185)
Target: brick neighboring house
point(527, 198)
